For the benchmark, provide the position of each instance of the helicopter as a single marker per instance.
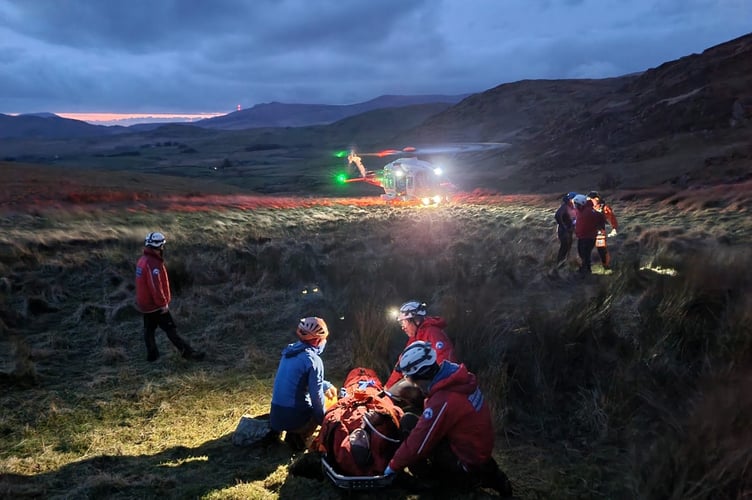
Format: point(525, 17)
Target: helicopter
point(407, 180)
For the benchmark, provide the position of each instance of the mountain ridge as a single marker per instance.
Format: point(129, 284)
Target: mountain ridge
point(264, 115)
point(277, 114)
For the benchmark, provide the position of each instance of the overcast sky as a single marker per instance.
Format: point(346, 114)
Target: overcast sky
point(208, 56)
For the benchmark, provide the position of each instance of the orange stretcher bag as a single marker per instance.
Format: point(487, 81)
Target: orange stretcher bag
point(360, 432)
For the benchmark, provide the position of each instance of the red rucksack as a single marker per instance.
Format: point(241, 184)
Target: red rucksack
point(360, 432)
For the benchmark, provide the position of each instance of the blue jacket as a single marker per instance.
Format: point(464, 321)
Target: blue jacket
point(299, 386)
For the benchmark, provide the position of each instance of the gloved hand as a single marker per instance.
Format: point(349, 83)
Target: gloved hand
point(330, 392)
point(384, 394)
point(164, 309)
point(389, 471)
point(612, 233)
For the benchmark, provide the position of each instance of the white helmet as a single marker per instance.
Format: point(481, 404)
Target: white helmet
point(312, 330)
point(411, 309)
point(580, 200)
point(417, 359)
point(155, 240)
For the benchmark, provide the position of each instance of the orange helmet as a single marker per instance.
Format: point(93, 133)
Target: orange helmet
point(312, 330)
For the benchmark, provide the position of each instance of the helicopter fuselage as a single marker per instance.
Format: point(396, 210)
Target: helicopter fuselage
point(411, 179)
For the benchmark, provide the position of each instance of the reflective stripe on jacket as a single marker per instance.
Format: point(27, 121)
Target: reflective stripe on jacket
point(455, 410)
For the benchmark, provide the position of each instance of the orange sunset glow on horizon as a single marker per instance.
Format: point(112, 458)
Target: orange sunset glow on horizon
point(99, 118)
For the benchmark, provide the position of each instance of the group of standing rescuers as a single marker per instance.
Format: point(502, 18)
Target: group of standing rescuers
point(450, 442)
point(584, 218)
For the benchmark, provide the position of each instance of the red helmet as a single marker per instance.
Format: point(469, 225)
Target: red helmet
point(312, 330)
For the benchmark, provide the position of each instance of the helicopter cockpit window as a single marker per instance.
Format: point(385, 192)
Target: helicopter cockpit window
point(420, 180)
point(400, 184)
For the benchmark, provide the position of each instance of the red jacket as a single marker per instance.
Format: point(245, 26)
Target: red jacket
point(609, 214)
point(431, 330)
point(589, 222)
point(152, 283)
point(455, 409)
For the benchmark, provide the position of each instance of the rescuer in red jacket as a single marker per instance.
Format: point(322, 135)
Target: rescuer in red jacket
point(418, 326)
point(589, 223)
point(153, 299)
point(455, 433)
point(600, 205)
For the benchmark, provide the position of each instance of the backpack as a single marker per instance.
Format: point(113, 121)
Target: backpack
point(360, 432)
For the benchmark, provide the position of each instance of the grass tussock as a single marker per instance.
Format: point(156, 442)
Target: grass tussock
point(629, 384)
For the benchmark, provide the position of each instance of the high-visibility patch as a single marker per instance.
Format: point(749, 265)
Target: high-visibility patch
point(155, 272)
point(428, 413)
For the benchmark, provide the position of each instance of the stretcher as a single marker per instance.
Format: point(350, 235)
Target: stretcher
point(354, 482)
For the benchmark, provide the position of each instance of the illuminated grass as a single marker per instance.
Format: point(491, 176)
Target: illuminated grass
point(583, 375)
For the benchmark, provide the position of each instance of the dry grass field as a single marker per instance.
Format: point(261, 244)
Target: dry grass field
point(628, 384)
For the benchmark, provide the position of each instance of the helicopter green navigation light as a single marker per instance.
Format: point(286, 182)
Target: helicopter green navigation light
point(341, 154)
point(341, 178)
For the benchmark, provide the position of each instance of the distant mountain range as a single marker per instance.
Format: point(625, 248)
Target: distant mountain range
point(277, 114)
point(50, 126)
point(274, 114)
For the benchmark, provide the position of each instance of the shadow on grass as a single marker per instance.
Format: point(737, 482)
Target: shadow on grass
point(178, 472)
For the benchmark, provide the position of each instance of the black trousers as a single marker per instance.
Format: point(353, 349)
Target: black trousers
point(164, 321)
point(444, 467)
point(585, 249)
point(565, 244)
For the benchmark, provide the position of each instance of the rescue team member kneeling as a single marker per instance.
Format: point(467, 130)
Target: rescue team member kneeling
point(455, 430)
point(417, 325)
point(299, 386)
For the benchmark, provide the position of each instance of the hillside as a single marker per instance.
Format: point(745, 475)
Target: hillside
point(685, 121)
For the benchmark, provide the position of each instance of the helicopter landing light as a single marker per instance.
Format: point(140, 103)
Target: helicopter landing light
point(435, 200)
point(438, 171)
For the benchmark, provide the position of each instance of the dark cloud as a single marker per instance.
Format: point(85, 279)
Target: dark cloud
point(195, 56)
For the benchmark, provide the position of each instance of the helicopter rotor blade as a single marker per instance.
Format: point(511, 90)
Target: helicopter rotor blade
point(451, 148)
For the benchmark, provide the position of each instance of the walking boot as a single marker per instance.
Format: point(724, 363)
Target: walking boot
point(493, 477)
point(192, 355)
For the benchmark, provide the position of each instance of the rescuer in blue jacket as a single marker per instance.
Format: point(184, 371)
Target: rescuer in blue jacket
point(299, 386)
